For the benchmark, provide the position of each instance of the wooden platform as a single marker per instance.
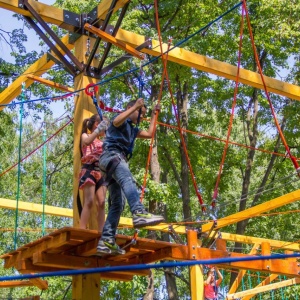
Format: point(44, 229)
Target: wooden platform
point(73, 248)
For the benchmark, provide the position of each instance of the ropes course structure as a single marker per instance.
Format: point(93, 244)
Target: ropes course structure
point(71, 251)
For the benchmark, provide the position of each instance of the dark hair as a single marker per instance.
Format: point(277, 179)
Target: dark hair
point(89, 123)
point(131, 103)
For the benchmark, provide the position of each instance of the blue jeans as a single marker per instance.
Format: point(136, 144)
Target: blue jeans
point(124, 184)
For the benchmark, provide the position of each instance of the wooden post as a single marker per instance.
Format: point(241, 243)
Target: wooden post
point(84, 286)
point(196, 272)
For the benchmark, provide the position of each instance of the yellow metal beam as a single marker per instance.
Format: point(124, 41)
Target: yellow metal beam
point(213, 66)
point(253, 211)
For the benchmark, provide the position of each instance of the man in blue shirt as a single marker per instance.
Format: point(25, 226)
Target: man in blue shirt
point(117, 147)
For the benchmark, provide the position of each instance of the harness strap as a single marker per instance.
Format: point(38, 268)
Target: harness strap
point(135, 133)
point(111, 166)
point(136, 129)
point(79, 204)
point(92, 167)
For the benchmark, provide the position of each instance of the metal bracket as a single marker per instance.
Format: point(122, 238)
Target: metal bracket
point(72, 21)
point(57, 45)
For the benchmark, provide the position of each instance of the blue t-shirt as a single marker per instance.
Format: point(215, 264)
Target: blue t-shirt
point(119, 138)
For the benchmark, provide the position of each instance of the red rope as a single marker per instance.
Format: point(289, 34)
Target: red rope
point(164, 60)
point(215, 195)
point(177, 117)
point(293, 159)
point(7, 170)
point(224, 141)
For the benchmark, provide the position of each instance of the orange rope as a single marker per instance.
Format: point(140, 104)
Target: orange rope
point(154, 131)
point(176, 114)
point(293, 159)
point(224, 141)
point(215, 195)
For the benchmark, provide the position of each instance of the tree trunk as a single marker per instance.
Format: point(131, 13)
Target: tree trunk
point(182, 101)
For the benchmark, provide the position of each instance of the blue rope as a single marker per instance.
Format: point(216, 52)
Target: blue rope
point(135, 69)
point(136, 129)
point(97, 107)
point(150, 266)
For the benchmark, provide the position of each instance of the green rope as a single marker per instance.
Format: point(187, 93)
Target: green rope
point(249, 279)
point(243, 284)
point(272, 294)
point(281, 289)
point(258, 281)
point(19, 167)
point(44, 181)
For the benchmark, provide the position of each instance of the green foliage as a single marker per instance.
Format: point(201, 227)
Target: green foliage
point(203, 100)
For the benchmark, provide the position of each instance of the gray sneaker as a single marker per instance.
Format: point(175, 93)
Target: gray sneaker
point(142, 218)
point(105, 247)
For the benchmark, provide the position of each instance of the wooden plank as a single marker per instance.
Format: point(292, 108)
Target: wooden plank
point(77, 262)
point(16, 283)
point(51, 83)
point(110, 39)
point(213, 66)
point(254, 211)
point(46, 243)
point(36, 208)
point(266, 288)
point(25, 266)
point(252, 240)
point(40, 283)
point(161, 254)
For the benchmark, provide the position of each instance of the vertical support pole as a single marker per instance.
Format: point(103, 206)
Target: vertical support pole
point(196, 272)
point(84, 287)
point(266, 250)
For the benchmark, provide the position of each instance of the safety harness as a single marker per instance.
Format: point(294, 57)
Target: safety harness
point(136, 128)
